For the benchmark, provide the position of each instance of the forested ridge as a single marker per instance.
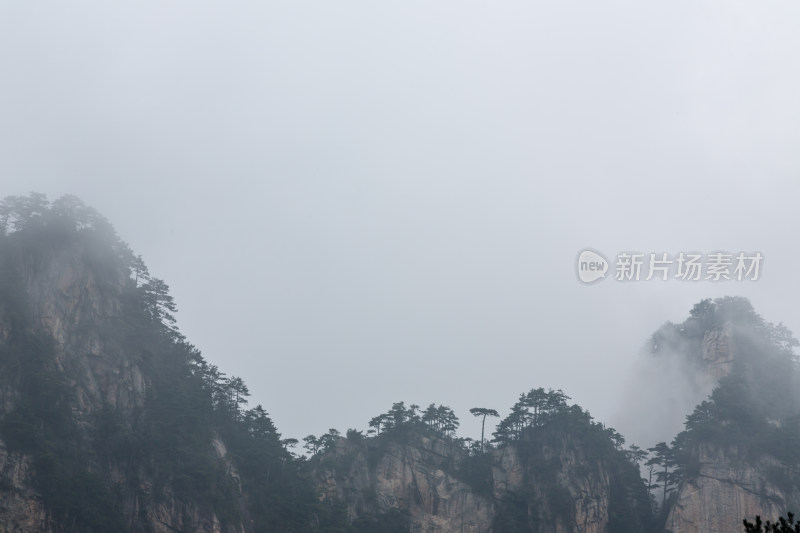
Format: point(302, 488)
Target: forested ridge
point(189, 402)
point(753, 411)
point(194, 438)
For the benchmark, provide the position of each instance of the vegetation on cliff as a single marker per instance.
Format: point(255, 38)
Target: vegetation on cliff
point(558, 446)
point(782, 525)
point(169, 439)
point(753, 412)
point(191, 436)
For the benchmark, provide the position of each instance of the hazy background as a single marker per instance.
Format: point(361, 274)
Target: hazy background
point(357, 203)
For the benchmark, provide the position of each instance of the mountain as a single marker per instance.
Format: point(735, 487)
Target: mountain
point(560, 473)
point(739, 455)
point(110, 420)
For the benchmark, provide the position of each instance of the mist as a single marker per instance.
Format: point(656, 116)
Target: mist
point(384, 203)
point(662, 391)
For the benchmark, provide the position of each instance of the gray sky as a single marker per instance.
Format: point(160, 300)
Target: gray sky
point(357, 203)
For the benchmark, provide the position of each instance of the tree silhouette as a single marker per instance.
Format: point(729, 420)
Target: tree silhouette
point(664, 457)
point(781, 526)
point(158, 302)
point(20, 212)
point(237, 394)
point(327, 441)
point(483, 412)
point(312, 443)
point(533, 409)
point(635, 454)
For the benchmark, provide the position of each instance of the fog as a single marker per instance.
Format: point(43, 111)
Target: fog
point(662, 390)
point(360, 203)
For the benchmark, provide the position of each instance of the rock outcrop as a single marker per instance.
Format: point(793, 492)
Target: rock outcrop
point(90, 372)
point(717, 352)
point(739, 448)
point(579, 501)
point(550, 488)
point(726, 489)
point(21, 509)
point(373, 477)
point(78, 309)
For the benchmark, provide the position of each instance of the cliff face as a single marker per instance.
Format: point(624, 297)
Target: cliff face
point(372, 478)
point(20, 507)
point(579, 501)
point(717, 353)
point(109, 421)
point(76, 306)
point(726, 490)
point(553, 488)
point(70, 304)
point(742, 441)
point(727, 487)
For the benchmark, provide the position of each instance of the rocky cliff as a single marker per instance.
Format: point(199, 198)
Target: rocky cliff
point(550, 484)
point(717, 354)
point(727, 489)
point(726, 486)
point(67, 296)
point(372, 477)
point(578, 501)
point(738, 454)
point(110, 421)
point(737, 458)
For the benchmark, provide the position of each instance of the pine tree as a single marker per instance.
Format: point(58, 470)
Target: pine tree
point(483, 412)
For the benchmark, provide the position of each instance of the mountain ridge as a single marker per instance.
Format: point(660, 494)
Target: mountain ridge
point(110, 420)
